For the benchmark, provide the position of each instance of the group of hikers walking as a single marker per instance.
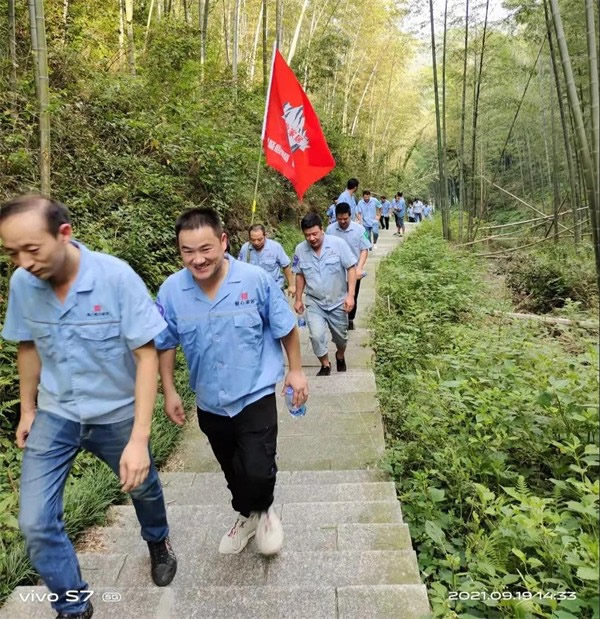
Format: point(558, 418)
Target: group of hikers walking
point(92, 344)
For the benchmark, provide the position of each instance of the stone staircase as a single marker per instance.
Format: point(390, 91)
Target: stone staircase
point(347, 553)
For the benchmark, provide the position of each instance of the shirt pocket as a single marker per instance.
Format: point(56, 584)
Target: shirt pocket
point(186, 331)
point(332, 265)
point(42, 337)
point(103, 339)
point(248, 332)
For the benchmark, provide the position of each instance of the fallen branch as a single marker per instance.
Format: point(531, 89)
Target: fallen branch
point(584, 324)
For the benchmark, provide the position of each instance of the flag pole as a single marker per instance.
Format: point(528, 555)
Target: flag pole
point(262, 136)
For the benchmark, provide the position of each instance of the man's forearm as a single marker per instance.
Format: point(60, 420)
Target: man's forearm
point(299, 286)
point(29, 366)
point(351, 281)
point(166, 366)
point(291, 343)
point(289, 276)
point(146, 383)
point(362, 259)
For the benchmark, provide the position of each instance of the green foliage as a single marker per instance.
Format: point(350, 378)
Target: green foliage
point(492, 439)
point(546, 279)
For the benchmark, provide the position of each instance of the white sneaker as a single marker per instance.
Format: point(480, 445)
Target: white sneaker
point(374, 245)
point(237, 538)
point(269, 533)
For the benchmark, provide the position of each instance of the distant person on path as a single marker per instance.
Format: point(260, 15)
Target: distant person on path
point(331, 211)
point(347, 196)
point(399, 209)
point(85, 325)
point(356, 236)
point(418, 210)
point(369, 213)
point(231, 319)
point(411, 212)
point(269, 255)
point(426, 211)
point(326, 268)
point(386, 207)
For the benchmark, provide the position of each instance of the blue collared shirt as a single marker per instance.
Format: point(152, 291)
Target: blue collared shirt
point(348, 198)
point(399, 207)
point(85, 344)
point(386, 207)
point(368, 210)
point(272, 258)
point(232, 343)
point(355, 235)
point(325, 274)
point(331, 213)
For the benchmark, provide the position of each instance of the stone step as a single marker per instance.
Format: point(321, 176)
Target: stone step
point(223, 602)
point(352, 381)
point(306, 514)
point(319, 402)
point(298, 538)
point(201, 566)
point(202, 493)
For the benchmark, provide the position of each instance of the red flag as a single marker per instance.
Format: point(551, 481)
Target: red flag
point(293, 140)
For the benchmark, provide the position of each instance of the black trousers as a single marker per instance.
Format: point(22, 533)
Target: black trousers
point(352, 314)
point(386, 222)
point(245, 446)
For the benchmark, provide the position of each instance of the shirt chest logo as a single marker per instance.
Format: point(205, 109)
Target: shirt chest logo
point(244, 299)
point(98, 310)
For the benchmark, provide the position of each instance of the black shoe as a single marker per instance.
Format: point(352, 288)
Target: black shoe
point(86, 614)
point(324, 371)
point(340, 364)
point(164, 562)
point(351, 325)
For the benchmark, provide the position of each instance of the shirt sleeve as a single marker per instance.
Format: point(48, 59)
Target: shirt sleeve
point(346, 255)
point(282, 257)
point(243, 251)
point(296, 261)
point(15, 328)
point(141, 321)
point(275, 308)
point(168, 338)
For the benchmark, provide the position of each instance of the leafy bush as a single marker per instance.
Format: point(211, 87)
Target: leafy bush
point(492, 439)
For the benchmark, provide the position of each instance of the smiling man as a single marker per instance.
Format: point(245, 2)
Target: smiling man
point(88, 373)
point(231, 319)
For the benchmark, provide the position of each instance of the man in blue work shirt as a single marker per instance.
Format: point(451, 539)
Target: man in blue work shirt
point(369, 213)
point(399, 209)
point(418, 210)
point(85, 324)
point(386, 207)
point(326, 267)
point(231, 318)
point(347, 196)
point(356, 236)
point(331, 211)
point(269, 255)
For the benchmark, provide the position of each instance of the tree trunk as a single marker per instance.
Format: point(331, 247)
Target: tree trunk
point(130, 41)
point(186, 12)
point(442, 172)
point(594, 96)
point(278, 22)
point(226, 32)
point(297, 33)
point(355, 121)
point(476, 102)
point(12, 46)
point(203, 37)
point(236, 31)
point(122, 33)
point(65, 19)
point(555, 190)
point(581, 136)
point(463, 204)
point(255, 43)
point(43, 96)
point(444, 142)
point(148, 24)
point(264, 47)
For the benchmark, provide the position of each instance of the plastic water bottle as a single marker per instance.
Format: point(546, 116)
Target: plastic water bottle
point(289, 399)
point(301, 321)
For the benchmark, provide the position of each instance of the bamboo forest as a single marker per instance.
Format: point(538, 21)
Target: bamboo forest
point(475, 352)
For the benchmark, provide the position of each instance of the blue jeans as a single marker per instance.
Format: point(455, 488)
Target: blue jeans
point(50, 450)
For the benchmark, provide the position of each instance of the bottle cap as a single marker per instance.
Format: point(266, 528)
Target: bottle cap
point(289, 390)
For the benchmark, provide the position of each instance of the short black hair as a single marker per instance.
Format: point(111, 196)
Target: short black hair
point(366, 192)
point(352, 183)
point(311, 220)
point(383, 197)
point(55, 213)
point(343, 208)
point(255, 227)
point(195, 218)
point(400, 193)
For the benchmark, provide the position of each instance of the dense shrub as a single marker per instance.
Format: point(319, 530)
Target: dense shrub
point(492, 438)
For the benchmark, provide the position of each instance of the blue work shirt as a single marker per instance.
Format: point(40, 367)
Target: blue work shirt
point(272, 258)
point(331, 213)
point(325, 274)
point(355, 235)
point(85, 344)
point(231, 344)
point(349, 199)
point(386, 207)
point(399, 207)
point(426, 210)
point(368, 210)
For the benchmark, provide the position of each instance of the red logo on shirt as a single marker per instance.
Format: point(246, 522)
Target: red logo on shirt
point(244, 296)
point(97, 308)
